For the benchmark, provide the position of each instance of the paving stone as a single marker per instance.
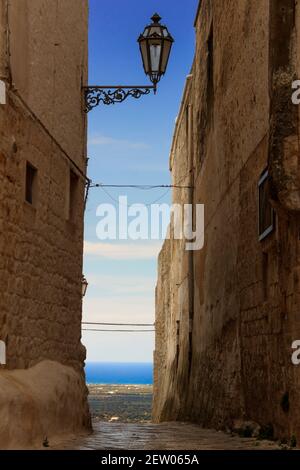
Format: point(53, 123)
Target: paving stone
point(166, 436)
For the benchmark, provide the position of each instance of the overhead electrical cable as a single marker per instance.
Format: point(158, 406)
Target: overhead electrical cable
point(120, 331)
point(117, 324)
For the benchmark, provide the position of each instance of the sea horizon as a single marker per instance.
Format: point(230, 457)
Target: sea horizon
point(119, 373)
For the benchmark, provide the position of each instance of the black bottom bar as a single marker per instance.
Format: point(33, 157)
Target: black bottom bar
point(138, 459)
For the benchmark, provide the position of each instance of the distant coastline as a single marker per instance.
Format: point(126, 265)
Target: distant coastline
point(123, 403)
point(119, 373)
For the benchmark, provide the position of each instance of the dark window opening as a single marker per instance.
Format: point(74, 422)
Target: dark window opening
point(266, 211)
point(73, 191)
point(30, 189)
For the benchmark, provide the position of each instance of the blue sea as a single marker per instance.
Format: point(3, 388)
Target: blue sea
point(118, 373)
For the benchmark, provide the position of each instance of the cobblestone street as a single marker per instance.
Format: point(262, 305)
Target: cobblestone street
point(167, 436)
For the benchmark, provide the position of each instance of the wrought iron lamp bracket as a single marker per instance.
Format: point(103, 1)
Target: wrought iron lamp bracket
point(94, 95)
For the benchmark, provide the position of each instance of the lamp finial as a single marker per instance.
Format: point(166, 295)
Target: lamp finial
point(156, 18)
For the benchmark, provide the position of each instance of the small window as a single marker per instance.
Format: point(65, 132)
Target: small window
point(73, 191)
point(30, 190)
point(266, 211)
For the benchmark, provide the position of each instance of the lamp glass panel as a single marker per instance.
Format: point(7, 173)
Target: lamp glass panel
point(165, 55)
point(144, 51)
point(155, 54)
point(84, 288)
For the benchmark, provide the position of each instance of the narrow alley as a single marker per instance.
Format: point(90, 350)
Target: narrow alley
point(150, 233)
point(166, 436)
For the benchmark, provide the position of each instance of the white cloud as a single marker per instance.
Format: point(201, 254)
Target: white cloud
point(121, 285)
point(105, 140)
point(123, 251)
point(118, 347)
point(130, 309)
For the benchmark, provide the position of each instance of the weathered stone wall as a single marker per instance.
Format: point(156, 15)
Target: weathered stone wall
point(43, 60)
point(48, 60)
point(40, 404)
point(163, 324)
point(234, 349)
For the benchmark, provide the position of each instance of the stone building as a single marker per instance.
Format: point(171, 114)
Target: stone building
point(43, 65)
point(227, 315)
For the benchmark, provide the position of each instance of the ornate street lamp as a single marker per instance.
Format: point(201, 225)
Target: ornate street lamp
point(155, 46)
point(84, 285)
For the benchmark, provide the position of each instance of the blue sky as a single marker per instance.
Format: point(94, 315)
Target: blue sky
point(129, 143)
